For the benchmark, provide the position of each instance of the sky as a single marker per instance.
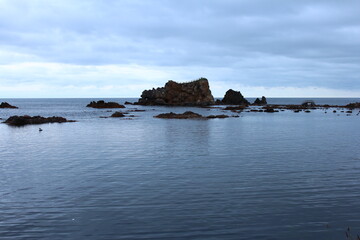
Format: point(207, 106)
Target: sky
point(118, 48)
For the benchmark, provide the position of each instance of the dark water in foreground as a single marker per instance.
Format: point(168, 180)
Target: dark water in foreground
point(260, 176)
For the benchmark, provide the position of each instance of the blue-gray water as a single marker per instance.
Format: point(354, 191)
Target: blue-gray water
point(260, 176)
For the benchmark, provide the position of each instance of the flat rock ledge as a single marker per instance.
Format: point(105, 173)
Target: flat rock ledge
point(27, 120)
point(6, 105)
point(103, 104)
point(188, 115)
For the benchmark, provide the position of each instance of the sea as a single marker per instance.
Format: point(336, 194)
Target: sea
point(261, 175)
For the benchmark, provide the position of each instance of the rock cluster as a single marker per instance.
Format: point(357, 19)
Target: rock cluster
point(6, 105)
point(234, 98)
point(103, 104)
point(260, 102)
point(195, 93)
point(25, 120)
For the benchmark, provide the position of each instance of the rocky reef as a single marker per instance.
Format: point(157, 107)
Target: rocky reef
point(195, 93)
point(353, 105)
point(26, 120)
point(103, 104)
point(234, 98)
point(185, 115)
point(260, 102)
point(189, 115)
point(6, 105)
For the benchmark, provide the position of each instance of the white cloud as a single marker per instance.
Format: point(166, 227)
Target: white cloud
point(255, 43)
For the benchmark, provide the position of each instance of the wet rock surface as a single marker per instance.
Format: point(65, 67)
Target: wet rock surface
point(6, 105)
point(103, 104)
point(195, 93)
point(26, 120)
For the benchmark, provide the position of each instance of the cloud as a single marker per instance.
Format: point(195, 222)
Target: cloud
point(255, 43)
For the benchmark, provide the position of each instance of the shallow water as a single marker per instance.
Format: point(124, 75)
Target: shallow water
point(260, 176)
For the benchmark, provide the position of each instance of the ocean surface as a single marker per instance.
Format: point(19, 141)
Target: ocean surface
point(269, 176)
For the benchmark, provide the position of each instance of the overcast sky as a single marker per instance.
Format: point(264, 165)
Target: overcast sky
point(117, 48)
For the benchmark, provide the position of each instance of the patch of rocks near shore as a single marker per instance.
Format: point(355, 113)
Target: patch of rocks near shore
point(27, 120)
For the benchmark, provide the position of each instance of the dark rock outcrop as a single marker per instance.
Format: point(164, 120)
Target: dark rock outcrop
point(195, 93)
point(270, 110)
point(103, 104)
point(234, 98)
point(189, 115)
point(260, 102)
point(185, 115)
point(6, 105)
point(117, 115)
point(26, 120)
point(218, 116)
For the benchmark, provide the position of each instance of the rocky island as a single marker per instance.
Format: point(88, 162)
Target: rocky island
point(103, 104)
point(195, 93)
point(233, 97)
point(6, 105)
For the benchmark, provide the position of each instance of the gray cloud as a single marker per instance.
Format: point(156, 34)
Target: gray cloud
point(258, 42)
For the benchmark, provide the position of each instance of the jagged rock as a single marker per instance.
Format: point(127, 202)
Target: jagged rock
point(6, 105)
point(195, 93)
point(103, 104)
point(260, 102)
point(25, 120)
point(234, 98)
point(117, 114)
point(185, 115)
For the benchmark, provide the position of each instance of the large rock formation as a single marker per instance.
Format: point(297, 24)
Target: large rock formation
point(260, 102)
point(195, 93)
point(6, 105)
point(234, 98)
point(25, 120)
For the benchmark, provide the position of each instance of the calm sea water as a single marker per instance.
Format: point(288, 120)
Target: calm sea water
point(260, 176)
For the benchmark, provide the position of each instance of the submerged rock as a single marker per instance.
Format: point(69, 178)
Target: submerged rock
point(103, 104)
point(260, 102)
point(195, 93)
point(234, 98)
point(26, 120)
point(6, 105)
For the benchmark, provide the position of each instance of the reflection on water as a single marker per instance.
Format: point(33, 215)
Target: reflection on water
point(270, 176)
